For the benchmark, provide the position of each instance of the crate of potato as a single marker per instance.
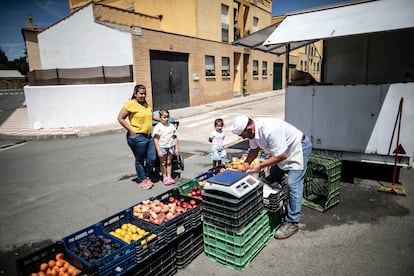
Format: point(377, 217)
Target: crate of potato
point(50, 260)
point(99, 252)
point(176, 213)
point(147, 237)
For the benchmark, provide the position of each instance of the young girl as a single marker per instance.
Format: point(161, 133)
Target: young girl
point(217, 143)
point(166, 143)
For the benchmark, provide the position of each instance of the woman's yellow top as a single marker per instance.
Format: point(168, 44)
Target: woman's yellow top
point(140, 116)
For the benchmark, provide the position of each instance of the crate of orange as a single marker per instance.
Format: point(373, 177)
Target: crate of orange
point(50, 260)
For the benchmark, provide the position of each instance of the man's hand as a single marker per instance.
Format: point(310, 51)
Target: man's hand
point(254, 169)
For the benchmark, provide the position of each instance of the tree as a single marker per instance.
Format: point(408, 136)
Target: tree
point(4, 61)
point(18, 64)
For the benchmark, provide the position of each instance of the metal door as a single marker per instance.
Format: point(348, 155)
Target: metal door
point(169, 79)
point(277, 76)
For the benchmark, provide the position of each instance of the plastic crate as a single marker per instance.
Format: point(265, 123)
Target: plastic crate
point(275, 199)
point(147, 245)
point(187, 187)
point(117, 262)
point(184, 222)
point(232, 223)
point(275, 221)
point(234, 260)
point(322, 204)
point(230, 212)
point(224, 240)
point(227, 201)
point(31, 263)
point(322, 182)
point(189, 247)
point(204, 176)
point(161, 263)
point(233, 212)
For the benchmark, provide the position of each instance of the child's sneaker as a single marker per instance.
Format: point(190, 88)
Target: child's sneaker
point(172, 181)
point(167, 181)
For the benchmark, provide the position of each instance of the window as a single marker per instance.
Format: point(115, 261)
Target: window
point(225, 66)
point(255, 23)
point(210, 70)
point(224, 23)
point(264, 68)
point(255, 68)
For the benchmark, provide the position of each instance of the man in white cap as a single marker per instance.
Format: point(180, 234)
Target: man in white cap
point(289, 151)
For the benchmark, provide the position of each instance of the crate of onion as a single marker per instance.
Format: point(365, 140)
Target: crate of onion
point(176, 213)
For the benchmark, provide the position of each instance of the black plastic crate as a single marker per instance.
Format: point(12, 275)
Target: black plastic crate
point(31, 263)
point(228, 201)
point(275, 199)
point(146, 245)
point(189, 247)
point(161, 263)
point(233, 211)
point(118, 262)
point(233, 224)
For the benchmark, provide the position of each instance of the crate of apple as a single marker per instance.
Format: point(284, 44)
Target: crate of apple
point(196, 192)
point(159, 211)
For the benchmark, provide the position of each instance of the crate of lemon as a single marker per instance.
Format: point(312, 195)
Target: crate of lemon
point(147, 237)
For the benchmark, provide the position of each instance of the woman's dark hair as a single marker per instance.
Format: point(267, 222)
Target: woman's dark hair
point(136, 88)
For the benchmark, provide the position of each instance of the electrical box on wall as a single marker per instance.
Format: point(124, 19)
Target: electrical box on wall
point(196, 77)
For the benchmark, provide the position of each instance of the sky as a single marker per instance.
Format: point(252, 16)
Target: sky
point(13, 17)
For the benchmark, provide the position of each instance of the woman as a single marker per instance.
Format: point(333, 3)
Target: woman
point(139, 136)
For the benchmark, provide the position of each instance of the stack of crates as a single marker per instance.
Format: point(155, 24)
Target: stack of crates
point(236, 249)
point(322, 182)
point(276, 197)
point(234, 229)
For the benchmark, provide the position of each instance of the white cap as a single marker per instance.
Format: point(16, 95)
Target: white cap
point(239, 124)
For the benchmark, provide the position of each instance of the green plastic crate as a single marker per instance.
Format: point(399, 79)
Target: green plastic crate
point(248, 238)
point(236, 238)
point(275, 221)
point(237, 261)
point(187, 187)
point(322, 182)
point(322, 205)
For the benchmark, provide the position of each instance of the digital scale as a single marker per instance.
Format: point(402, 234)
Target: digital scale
point(232, 182)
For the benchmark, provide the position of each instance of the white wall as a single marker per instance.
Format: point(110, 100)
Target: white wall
point(75, 105)
point(79, 42)
point(353, 118)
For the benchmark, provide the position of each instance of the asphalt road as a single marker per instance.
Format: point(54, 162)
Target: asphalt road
point(51, 189)
point(9, 101)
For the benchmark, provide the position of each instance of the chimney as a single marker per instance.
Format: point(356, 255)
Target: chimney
point(30, 20)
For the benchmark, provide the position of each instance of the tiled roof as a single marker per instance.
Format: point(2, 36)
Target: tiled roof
point(10, 74)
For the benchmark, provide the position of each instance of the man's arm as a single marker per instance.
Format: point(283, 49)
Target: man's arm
point(273, 160)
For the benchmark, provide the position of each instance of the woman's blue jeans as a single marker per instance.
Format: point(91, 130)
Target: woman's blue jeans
point(143, 148)
point(295, 183)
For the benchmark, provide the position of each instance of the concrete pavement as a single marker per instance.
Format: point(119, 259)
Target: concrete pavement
point(16, 127)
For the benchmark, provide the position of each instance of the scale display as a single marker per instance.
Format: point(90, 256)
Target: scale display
point(231, 182)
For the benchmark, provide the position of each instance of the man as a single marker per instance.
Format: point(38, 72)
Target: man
point(289, 149)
